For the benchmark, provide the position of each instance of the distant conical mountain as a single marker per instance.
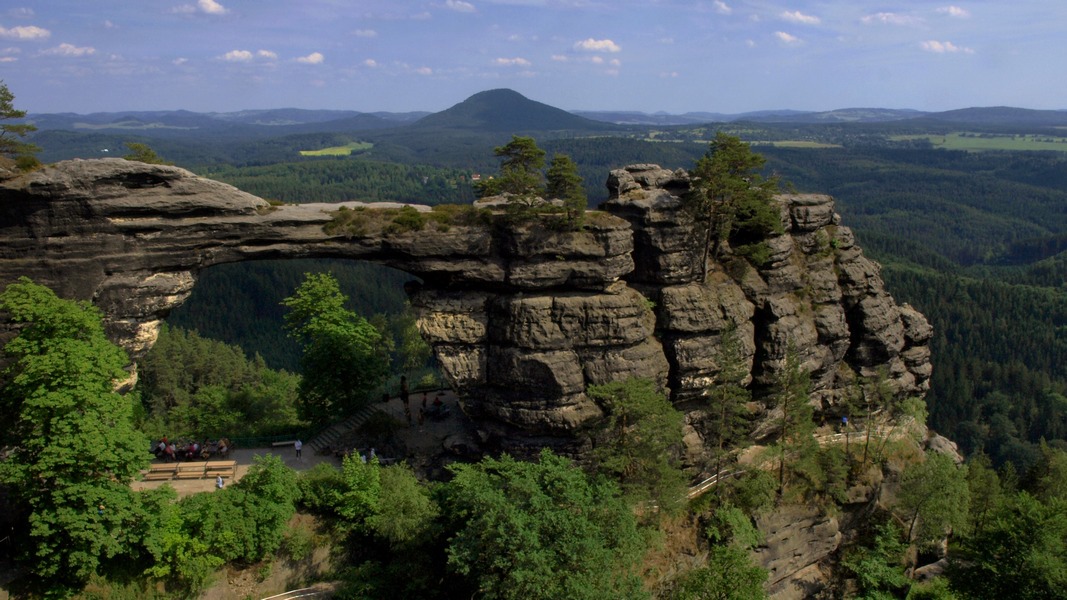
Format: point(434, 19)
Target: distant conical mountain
point(506, 110)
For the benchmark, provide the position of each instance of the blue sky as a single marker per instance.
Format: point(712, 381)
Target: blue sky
point(651, 55)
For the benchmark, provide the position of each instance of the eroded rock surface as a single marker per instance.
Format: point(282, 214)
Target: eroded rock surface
point(522, 319)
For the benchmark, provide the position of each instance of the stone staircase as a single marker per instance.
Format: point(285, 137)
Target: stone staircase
point(329, 436)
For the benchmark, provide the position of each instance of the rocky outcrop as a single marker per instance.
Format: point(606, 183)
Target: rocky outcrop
point(816, 294)
point(523, 318)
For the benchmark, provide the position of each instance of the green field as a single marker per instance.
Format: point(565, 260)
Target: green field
point(976, 142)
point(345, 150)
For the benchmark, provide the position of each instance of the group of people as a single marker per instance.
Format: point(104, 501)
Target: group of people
point(168, 451)
point(435, 411)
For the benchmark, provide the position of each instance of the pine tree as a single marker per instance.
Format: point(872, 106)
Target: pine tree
point(11, 134)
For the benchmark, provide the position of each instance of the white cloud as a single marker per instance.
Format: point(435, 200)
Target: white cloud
point(786, 38)
point(7, 59)
point(888, 18)
point(799, 17)
point(616, 62)
point(459, 6)
point(591, 45)
point(109, 25)
point(722, 8)
point(27, 32)
point(70, 50)
point(669, 74)
point(267, 54)
point(237, 56)
point(750, 43)
point(366, 33)
point(511, 62)
point(944, 47)
point(424, 71)
point(560, 58)
point(211, 7)
point(370, 62)
point(666, 40)
point(954, 11)
point(179, 61)
point(314, 58)
point(597, 60)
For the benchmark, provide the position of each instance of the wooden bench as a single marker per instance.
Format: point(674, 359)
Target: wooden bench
point(226, 468)
point(190, 470)
point(160, 471)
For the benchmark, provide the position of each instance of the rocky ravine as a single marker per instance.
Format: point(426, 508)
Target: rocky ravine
point(522, 320)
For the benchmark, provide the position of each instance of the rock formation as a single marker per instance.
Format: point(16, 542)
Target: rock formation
point(523, 319)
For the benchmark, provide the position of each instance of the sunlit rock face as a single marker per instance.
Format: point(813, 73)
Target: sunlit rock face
point(523, 319)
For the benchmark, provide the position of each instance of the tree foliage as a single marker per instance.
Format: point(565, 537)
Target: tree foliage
point(732, 200)
point(934, 499)
point(540, 530)
point(640, 442)
point(520, 174)
point(196, 387)
point(144, 153)
point(73, 447)
point(343, 358)
point(564, 183)
point(11, 134)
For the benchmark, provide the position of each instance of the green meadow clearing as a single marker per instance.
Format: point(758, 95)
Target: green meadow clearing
point(345, 150)
point(976, 142)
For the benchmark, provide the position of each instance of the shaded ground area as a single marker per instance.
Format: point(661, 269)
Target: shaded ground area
point(427, 448)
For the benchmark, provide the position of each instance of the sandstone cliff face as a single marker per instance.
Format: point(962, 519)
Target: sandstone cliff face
point(524, 319)
point(818, 294)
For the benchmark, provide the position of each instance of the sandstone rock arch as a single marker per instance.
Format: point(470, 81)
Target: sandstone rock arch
point(522, 319)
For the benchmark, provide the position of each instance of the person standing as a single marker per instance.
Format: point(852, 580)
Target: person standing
point(298, 446)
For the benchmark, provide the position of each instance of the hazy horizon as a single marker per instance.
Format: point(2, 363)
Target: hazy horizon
point(719, 56)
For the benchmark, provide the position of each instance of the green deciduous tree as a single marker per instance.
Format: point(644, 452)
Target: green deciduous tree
point(640, 441)
point(11, 134)
point(934, 499)
point(343, 357)
point(540, 530)
point(1020, 553)
point(733, 200)
point(879, 565)
point(73, 449)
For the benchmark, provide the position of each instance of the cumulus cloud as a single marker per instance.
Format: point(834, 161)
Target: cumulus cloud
point(314, 58)
point(459, 6)
point(597, 60)
point(7, 59)
point(722, 8)
point(944, 47)
point(591, 45)
point(954, 11)
point(370, 62)
point(179, 61)
point(238, 56)
point(511, 62)
point(888, 18)
point(267, 54)
point(786, 38)
point(366, 33)
point(211, 7)
point(424, 71)
point(69, 50)
point(798, 17)
point(25, 32)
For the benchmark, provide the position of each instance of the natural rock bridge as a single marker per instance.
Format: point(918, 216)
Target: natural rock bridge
point(522, 319)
